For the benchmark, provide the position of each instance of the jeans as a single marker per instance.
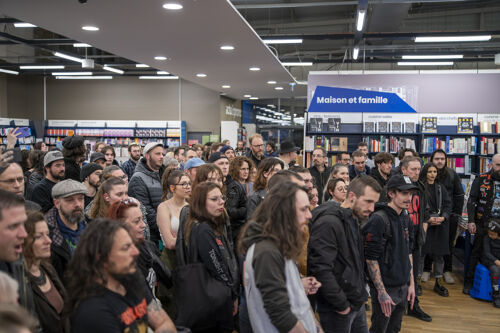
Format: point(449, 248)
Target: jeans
point(448, 259)
point(353, 322)
point(392, 324)
point(438, 264)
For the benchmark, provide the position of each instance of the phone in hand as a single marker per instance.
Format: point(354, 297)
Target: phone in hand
point(23, 132)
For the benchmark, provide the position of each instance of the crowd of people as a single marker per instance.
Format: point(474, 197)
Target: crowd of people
point(211, 238)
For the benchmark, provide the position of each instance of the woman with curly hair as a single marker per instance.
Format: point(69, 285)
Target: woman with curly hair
point(239, 169)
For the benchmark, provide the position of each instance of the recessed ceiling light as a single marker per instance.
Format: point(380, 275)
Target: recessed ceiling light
point(254, 69)
point(278, 88)
point(162, 73)
point(71, 73)
point(8, 72)
point(227, 47)
point(102, 77)
point(271, 82)
point(150, 77)
point(423, 63)
point(172, 6)
point(424, 57)
point(247, 96)
point(111, 69)
point(441, 39)
point(24, 25)
point(42, 67)
point(141, 66)
point(81, 45)
point(90, 28)
point(201, 75)
point(160, 58)
point(226, 86)
point(254, 98)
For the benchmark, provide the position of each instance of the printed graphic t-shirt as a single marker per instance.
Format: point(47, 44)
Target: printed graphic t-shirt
point(495, 208)
point(112, 313)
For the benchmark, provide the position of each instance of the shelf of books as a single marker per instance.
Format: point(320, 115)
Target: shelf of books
point(469, 140)
point(26, 139)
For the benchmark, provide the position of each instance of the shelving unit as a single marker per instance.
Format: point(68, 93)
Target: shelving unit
point(8, 124)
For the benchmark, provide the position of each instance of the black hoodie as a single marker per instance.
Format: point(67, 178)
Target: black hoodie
point(390, 252)
point(335, 258)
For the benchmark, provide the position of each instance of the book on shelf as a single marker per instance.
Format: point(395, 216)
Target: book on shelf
point(410, 127)
point(389, 144)
point(382, 126)
point(485, 127)
point(484, 164)
point(462, 165)
point(429, 124)
point(316, 124)
point(396, 127)
point(489, 146)
point(465, 125)
point(334, 125)
point(368, 127)
point(450, 145)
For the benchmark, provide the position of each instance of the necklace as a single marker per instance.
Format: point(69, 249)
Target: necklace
point(40, 280)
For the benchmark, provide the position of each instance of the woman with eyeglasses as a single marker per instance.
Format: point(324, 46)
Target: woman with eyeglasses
point(114, 171)
point(209, 172)
point(48, 292)
point(337, 189)
point(206, 237)
point(338, 171)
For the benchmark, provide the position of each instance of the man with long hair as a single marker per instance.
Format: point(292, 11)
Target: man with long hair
point(106, 290)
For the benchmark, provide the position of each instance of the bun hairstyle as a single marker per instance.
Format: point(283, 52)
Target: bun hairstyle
point(170, 177)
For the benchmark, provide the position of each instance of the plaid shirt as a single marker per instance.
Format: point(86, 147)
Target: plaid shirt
point(56, 235)
point(128, 167)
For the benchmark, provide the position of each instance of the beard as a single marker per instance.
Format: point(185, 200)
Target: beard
point(57, 176)
point(134, 283)
point(495, 174)
point(74, 216)
point(358, 212)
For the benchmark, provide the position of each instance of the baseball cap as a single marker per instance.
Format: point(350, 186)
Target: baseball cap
point(216, 156)
point(152, 145)
point(51, 156)
point(401, 183)
point(67, 188)
point(193, 163)
point(96, 157)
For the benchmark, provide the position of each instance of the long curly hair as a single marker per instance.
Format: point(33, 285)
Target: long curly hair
point(236, 165)
point(204, 171)
point(85, 276)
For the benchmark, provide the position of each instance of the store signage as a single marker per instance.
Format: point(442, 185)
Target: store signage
point(231, 111)
point(333, 99)
point(448, 119)
point(481, 117)
point(62, 123)
point(91, 123)
point(4, 121)
point(152, 124)
point(120, 123)
point(21, 122)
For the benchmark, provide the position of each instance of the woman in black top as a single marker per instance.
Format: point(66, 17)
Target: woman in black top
point(438, 207)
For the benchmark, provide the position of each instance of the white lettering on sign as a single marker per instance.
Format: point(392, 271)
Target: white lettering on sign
point(230, 111)
point(352, 100)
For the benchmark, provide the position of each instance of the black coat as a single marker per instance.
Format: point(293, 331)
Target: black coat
point(72, 170)
point(254, 201)
point(320, 179)
point(353, 174)
point(437, 238)
point(375, 174)
point(50, 320)
point(236, 205)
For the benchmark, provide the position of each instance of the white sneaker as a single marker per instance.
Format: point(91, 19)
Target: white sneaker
point(448, 278)
point(425, 276)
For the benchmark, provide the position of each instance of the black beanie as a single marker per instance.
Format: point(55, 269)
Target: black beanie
point(216, 156)
point(89, 169)
point(71, 142)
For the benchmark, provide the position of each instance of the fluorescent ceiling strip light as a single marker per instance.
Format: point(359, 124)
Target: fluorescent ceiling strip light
point(65, 56)
point(297, 63)
point(147, 77)
point(141, 65)
point(162, 73)
point(111, 69)
point(360, 20)
point(283, 41)
point(425, 57)
point(452, 39)
point(42, 67)
point(81, 45)
point(84, 77)
point(9, 72)
point(421, 63)
point(355, 53)
point(71, 73)
point(24, 25)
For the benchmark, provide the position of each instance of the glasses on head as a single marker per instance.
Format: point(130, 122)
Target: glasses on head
point(185, 184)
point(12, 181)
point(219, 198)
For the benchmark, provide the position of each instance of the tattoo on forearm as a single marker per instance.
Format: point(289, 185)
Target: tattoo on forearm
point(411, 268)
point(375, 275)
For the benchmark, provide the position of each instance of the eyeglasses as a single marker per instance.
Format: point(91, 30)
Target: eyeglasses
point(185, 185)
point(12, 181)
point(342, 188)
point(319, 156)
point(214, 180)
point(123, 177)
point(258, 146)
point(220, 198)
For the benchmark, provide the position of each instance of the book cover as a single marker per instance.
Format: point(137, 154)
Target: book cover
point(396, 127)
point(485, 127)
point(465, 125)
point(334, 125)
point(382, 126)
point(369, 127)
point(409, 127)
point(343, 144)
point(335, 143)
point(316, 124)
point(429, 124)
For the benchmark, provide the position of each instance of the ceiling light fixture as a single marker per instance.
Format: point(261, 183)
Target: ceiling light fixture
point(254, 98)
point(81, 45)
point(148, 77)
point(247, 96)
point(24, 25)
point(65, 56)
point(162, 73)
point(278, 88)
point(227, 47)
point(111, 69)
point(90, 28)
point(172, 6)
point(297, 63)
point(71, 73)
point(444, 39)
point(422, 63)
point(355, 53)
point(283, 41)
point(9, 72)
point(271, 82)
point(160, 58)
point(424, 57)
point(84, 77)
point(141, 66)
point(201, 75)
point(360, 21)
point(226, 86)
point(42, 67)
point(254, 69)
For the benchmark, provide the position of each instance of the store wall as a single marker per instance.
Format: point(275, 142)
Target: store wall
point(226, 101)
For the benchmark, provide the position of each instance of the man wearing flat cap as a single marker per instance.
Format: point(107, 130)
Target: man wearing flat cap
point(66, 222)
point(74, 154)
point(288, 153)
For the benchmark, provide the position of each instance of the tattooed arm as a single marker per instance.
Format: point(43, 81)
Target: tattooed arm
point(158, 318)
point(383, 297)
point(411, 288)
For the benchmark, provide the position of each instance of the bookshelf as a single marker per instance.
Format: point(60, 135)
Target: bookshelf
point(8, 124)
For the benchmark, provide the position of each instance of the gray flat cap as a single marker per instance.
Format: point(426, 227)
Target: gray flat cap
point(68, 188)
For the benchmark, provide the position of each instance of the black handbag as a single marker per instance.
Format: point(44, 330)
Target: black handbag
point(199, 296)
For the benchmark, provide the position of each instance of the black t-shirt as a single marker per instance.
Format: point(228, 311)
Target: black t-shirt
point(42, 194)
point(112, 313)
point(87, 200)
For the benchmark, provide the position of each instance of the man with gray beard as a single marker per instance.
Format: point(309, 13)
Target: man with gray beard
point(66, 222)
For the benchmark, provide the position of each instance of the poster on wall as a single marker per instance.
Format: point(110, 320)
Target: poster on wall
point(429, 124)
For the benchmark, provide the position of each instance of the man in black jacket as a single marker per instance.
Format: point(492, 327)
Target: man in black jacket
point(358, 166)
point(335, 257)
point(319, 171)
point(383, 166)
point(388, 243)
point(451, 181)
point(54, 169)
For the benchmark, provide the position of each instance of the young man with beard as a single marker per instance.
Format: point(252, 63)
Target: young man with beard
point(483, 203)
point(145, 185)
point(106, 290)
point(336, 259)
point(256, 152)
point(388, 242)
point(358, 166)
point(66, 222)
point(54, 169)
point(134, 151)
point(383, 166)
point(319, 171)
point(451, 181)
point(91, 179)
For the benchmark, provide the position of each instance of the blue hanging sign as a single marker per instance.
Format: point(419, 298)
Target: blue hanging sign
point(332, 99)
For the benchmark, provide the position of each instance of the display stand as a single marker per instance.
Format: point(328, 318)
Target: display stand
point(7, 125)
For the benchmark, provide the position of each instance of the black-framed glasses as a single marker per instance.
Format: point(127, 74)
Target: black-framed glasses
point(185, 184)
point(219, 198)
point(12, 181)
